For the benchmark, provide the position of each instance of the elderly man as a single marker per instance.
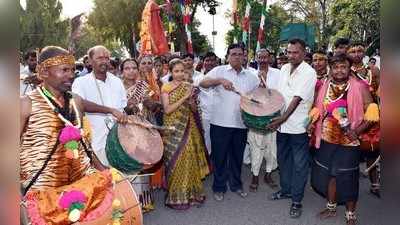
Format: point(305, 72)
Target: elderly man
point(228, 133)
point(263, 145)
point(297, 84)
point(103, 88)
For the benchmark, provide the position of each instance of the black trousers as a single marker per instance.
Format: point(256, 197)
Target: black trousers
point(227, 146)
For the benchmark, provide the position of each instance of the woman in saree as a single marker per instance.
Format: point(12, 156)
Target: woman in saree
point(185, 156)
point(137, 91)
point(153, 109)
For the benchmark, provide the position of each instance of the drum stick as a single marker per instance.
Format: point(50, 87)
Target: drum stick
point(134, 176)
point(246, 97)
point(265, 84)
point(151, 126)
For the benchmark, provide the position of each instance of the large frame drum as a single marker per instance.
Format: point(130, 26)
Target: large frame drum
point(258, 115)
point(131, 147)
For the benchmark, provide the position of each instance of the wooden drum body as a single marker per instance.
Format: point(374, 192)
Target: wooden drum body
point(258, 115)
point(125, 193)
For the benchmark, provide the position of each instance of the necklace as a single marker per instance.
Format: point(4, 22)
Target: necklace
point(331, 88)
point(70, 134)
point(365, 78)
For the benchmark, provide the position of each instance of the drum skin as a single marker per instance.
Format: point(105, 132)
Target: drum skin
point(132, 148)
point(258, 116)
point(125, 193)
point(116, 155)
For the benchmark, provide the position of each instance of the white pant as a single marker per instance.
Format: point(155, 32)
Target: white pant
point(246, 154)
point(262, 146)
point(206, 127)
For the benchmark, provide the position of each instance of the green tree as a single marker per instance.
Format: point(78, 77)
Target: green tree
point(315, 12)
point(90, 38)
point(119, 20)
point(41, 25)
point(354, 18)
point(276, 18)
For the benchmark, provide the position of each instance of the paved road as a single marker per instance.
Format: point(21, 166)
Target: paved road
point(256, 209)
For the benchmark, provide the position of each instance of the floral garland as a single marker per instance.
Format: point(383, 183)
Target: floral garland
point(70, 134)
point(368, 79)
point(329, 99)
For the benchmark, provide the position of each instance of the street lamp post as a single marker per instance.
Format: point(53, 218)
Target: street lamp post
point(212, 11)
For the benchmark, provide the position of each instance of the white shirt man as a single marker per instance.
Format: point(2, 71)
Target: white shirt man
point(299, 83)
point(262, 145)
point(206, 106)
point(227, 130)
point(25, 88)
point(110, 93)
point(226, 110)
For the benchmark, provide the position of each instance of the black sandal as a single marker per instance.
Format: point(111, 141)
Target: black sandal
point(295, 210)
point(279, 196)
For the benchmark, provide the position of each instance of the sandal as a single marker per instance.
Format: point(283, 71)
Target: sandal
point(328, 212)
point(295, 210)
point(350, 217)
point(253, 187)
point(279, 196)
point(375, 190)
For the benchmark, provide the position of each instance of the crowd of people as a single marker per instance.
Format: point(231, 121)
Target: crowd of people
point(329, 123)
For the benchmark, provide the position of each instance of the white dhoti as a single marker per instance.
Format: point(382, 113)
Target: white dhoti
point(206, 127)
point(262, 146)
point(246, 154)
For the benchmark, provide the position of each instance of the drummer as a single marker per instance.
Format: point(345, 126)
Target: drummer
point(263, 145)
point(296, 84)
point(40, 125)
point(103, 88)
point(227, 131)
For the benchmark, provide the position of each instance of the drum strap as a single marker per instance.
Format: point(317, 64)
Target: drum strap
point(25, 190)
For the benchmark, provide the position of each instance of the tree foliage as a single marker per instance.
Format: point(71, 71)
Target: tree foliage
point(315, 12)
point(276, 18)
point(353, 18)
point(41, 25)
point(118, 20)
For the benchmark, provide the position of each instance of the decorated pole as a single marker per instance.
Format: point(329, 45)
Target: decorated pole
point(234, 18)
point(246, 22)
point(186, 20)
point(170, 25)
point(261, 35)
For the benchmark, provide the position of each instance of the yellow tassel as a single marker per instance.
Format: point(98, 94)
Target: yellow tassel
point(372, 113)
point(116, 203)
point(87, 130)
point(116, 175)
point(314, 114)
